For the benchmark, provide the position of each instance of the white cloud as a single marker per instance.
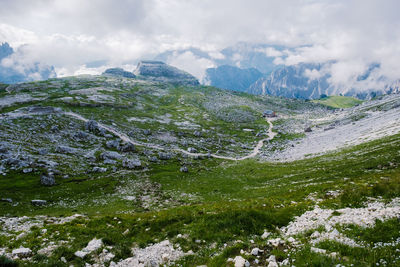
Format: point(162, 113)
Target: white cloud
point(190, 63)
point(68, 34)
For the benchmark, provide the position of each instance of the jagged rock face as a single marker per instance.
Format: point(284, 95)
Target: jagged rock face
point(119, 73)
point(291, 82)
point(159, 71)
point(230, 77)
point(296, 82)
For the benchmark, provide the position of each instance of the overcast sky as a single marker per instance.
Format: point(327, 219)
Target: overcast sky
point(70, 33)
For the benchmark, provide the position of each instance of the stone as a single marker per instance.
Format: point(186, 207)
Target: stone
point(184, 169)
point(127, 147)
point(27, 170)
point(99, 169)
point(93, 245)
point(308, 130)
point(110, 155)
point(93, 126)
point(80, 135)
point(43, 151)
point(54, 129)
point(256, 251)
point(192, 150)
point(265, 235)
point(164, 155)
point(153, 159)
point(47, 180)
point(9, 200)
point(65, 150)
point(113, 144)
point(131, 163)
point(38, 202)
point(22, 252)
point(109, 161)
point(147, 132)
point(239, 261)
point(197, 133)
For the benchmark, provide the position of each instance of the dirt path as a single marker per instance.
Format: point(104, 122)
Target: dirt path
point(126, 138)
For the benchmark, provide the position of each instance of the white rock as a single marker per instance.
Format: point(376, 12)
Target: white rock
point(93, 245)
point(239, 261)
point(265, 235)
point(318, 250)
point(272, 258)
point(254, 251)
point(272, 264)
point(285, 262)
point(22, 252)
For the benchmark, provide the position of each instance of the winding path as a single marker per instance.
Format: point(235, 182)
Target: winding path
point(127, 139)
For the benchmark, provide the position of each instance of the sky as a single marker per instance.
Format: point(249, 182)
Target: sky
point(70, 33)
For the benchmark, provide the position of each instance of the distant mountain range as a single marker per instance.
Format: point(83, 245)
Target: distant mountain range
point(13, 68)
point(231, 77)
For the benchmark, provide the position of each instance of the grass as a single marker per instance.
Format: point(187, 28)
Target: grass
point(217, 201)
point(338, 101)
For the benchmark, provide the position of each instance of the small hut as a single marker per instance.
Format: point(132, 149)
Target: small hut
point(269, 114)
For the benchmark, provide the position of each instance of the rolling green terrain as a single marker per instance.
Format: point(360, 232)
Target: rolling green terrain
point(338, 101)
point(211, 210)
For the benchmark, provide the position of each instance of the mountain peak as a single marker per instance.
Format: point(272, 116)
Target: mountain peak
point(160, 71)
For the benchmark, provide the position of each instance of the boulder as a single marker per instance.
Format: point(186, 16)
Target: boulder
point(127, 147)
point(113, 144)
point(21, 252)
point(308, 130)
point(192, 150)
point(65, 150)
point(131, 163)
point(110, 155)
point(47, 180)
point(9, 200)
point(147, 132)
point(93, 126)
point(99, 169)
point(239, 261)
point(184, 169)
point(80, 135)
point(197, 133)
point(164, 155)
point(38, 202)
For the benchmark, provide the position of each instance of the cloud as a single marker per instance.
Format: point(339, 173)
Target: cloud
point(190, 63)
point(68, 34)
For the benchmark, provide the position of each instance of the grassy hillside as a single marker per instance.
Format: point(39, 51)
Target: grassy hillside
point(338, 101)
point(214, 210)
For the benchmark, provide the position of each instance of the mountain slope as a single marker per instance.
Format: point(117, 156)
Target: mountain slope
point(310, 81)
point(233, 78)
point(135, 158)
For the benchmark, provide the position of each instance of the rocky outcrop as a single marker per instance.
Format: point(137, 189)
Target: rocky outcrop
point(161, 72)
point(118, 72)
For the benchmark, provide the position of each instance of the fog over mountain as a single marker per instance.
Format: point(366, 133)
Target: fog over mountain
point(90, 37)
